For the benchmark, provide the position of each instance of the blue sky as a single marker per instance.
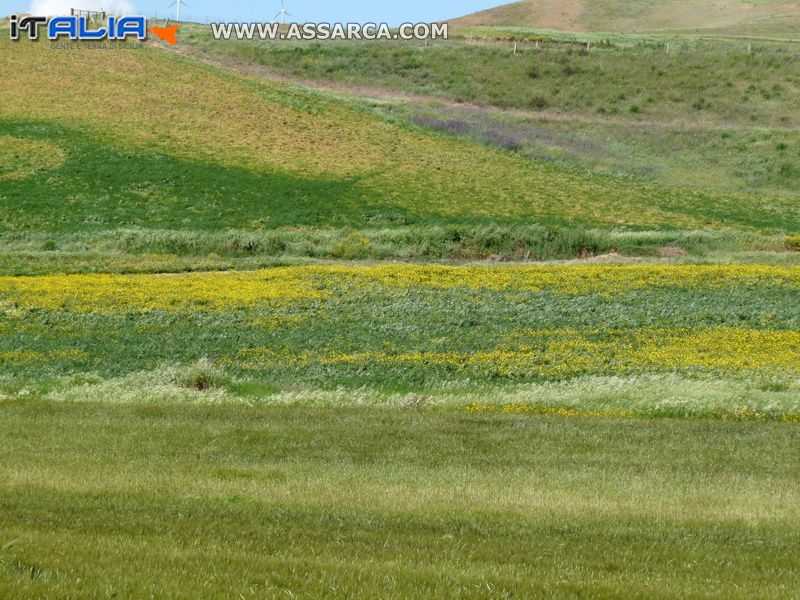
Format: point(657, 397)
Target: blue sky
point(303, 10)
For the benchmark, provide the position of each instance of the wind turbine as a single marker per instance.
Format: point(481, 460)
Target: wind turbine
point(178, 4)
point(283, 14)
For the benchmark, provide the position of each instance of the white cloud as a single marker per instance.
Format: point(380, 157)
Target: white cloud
point(51, 8)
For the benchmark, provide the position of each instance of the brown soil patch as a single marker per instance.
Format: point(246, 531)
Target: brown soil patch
point(662, 15)
point(672, 252)
point(560, 15)
point(601, 257)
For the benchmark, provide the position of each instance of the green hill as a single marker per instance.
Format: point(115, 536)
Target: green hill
point(166, 144)
point(626, 107)
point(767, 18)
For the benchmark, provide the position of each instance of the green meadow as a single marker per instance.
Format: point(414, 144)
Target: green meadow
point(180, 501)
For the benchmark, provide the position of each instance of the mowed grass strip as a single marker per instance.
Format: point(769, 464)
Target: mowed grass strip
point(181, 501)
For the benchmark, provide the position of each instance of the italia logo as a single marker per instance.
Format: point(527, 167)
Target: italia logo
point(79, 28)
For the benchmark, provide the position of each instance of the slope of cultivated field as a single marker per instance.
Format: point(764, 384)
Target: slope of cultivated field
point(169, 143)
point(768, 18)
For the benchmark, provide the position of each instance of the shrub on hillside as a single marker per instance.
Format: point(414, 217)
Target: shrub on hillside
point(356, 245)
point(793, 242)
point(538, 102)
point(570, 70)
point(202, 376)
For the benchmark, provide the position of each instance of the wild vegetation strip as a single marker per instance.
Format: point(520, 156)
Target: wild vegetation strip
point(162, 251)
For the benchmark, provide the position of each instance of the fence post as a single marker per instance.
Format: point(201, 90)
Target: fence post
point(515, 48)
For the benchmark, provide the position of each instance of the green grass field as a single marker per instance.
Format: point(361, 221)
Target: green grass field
point(256, 339)
point(183, 501)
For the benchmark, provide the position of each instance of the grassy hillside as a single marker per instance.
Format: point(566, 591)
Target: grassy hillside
point(628, 109)
point(641, 83)
point(169, 144)
point(767, 18)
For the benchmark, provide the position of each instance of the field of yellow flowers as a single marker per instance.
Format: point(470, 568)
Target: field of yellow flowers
point(416, 329)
